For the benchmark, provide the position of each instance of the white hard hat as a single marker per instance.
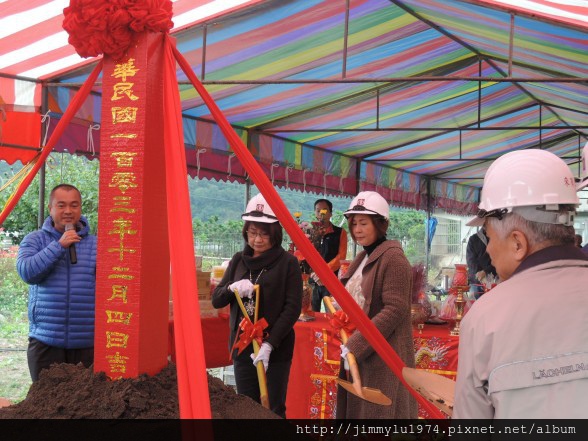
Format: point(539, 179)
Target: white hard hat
point(584, 167)
point(258, 210)
point(369, 202)
point(535, 179)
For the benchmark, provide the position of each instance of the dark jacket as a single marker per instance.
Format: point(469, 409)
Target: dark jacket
point(329, 245)
point(477, 258)
point(280, 296)
point(61, 295)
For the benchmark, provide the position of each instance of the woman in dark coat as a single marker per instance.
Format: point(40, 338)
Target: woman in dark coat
point(263, 262)
point(380, 281)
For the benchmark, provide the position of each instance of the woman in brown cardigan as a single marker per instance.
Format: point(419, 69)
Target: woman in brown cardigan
point(379, 279)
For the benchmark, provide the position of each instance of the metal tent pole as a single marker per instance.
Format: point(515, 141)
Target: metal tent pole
point(427, 228)
point(44, 108)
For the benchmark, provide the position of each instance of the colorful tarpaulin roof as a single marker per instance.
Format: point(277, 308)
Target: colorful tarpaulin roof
point(411, 98)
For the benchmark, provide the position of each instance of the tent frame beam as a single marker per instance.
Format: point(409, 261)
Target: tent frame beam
point(421, 129)
point(417, 79)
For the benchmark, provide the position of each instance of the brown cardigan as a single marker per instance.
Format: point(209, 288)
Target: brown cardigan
point(387, 287)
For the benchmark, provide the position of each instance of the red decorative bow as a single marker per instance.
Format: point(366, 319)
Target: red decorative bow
point(249, 332)
point(340, 320)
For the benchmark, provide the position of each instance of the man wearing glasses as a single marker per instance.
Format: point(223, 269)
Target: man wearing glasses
point(523, 349)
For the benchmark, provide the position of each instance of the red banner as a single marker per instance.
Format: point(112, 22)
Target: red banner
point(133, 256)
point(20, 134)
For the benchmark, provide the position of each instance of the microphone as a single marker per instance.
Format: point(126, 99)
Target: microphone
point(73, 256)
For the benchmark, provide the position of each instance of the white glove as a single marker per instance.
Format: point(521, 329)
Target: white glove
point(263, 355)
point(344, 352)
point(243, 287)
point(481, 276)
point(316, 279)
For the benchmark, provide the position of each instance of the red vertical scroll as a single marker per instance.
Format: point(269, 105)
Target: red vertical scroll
point(133, 257)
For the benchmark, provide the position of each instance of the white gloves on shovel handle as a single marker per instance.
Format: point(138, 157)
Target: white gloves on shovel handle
point(243, 287)
point(344, 352)
point(263, 355)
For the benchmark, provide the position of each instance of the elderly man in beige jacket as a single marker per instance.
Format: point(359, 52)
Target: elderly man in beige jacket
point(523, 350)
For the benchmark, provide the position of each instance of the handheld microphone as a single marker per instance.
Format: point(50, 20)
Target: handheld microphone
point(73, 257)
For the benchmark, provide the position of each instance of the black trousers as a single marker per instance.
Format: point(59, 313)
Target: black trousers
point(277, 374)
point(41, 356)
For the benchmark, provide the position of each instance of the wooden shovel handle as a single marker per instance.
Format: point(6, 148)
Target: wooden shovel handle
point(331, 309)
point(261, 378)
point(353, 368)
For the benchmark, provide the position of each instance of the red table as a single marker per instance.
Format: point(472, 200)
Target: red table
point(436, 351)
point(215, 331)
point(312, 390)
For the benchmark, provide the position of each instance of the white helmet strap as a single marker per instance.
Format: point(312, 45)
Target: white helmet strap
point(256, 213)
point(546, 215)
point(362, 208)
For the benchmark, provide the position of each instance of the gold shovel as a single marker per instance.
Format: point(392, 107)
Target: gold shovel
point(439, 390)
point(263, 395)
point(372, 395)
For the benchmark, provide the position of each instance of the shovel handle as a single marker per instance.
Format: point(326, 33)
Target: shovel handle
point(372, 395)
point(354, 371)
point(331, 309)
point(353, 368)
point(261, 378)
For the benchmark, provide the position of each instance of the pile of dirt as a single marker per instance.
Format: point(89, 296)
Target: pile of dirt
point(67, 391)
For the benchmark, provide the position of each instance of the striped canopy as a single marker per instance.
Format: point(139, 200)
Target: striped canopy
point(412, 98)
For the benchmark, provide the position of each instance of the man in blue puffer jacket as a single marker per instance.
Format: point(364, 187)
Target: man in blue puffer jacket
point(62, 291)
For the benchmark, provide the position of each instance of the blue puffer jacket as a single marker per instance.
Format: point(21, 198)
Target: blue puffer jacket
point(61, 295)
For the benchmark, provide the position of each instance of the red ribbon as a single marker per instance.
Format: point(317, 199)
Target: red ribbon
point(249, 332)
point(340, 320)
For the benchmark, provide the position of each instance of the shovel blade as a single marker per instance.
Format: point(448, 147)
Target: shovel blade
point(438, 390)
point(375, 396)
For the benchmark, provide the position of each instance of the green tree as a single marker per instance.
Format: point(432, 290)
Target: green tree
point(402, 221)
point(408, 227)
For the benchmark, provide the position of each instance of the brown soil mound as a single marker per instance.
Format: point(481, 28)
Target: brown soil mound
point(67, 391)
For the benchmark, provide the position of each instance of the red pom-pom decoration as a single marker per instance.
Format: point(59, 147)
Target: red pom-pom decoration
point(108, 27)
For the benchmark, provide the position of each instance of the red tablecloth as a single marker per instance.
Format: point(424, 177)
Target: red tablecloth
point(215, 331)
point(312, 390)
point(435, 351)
